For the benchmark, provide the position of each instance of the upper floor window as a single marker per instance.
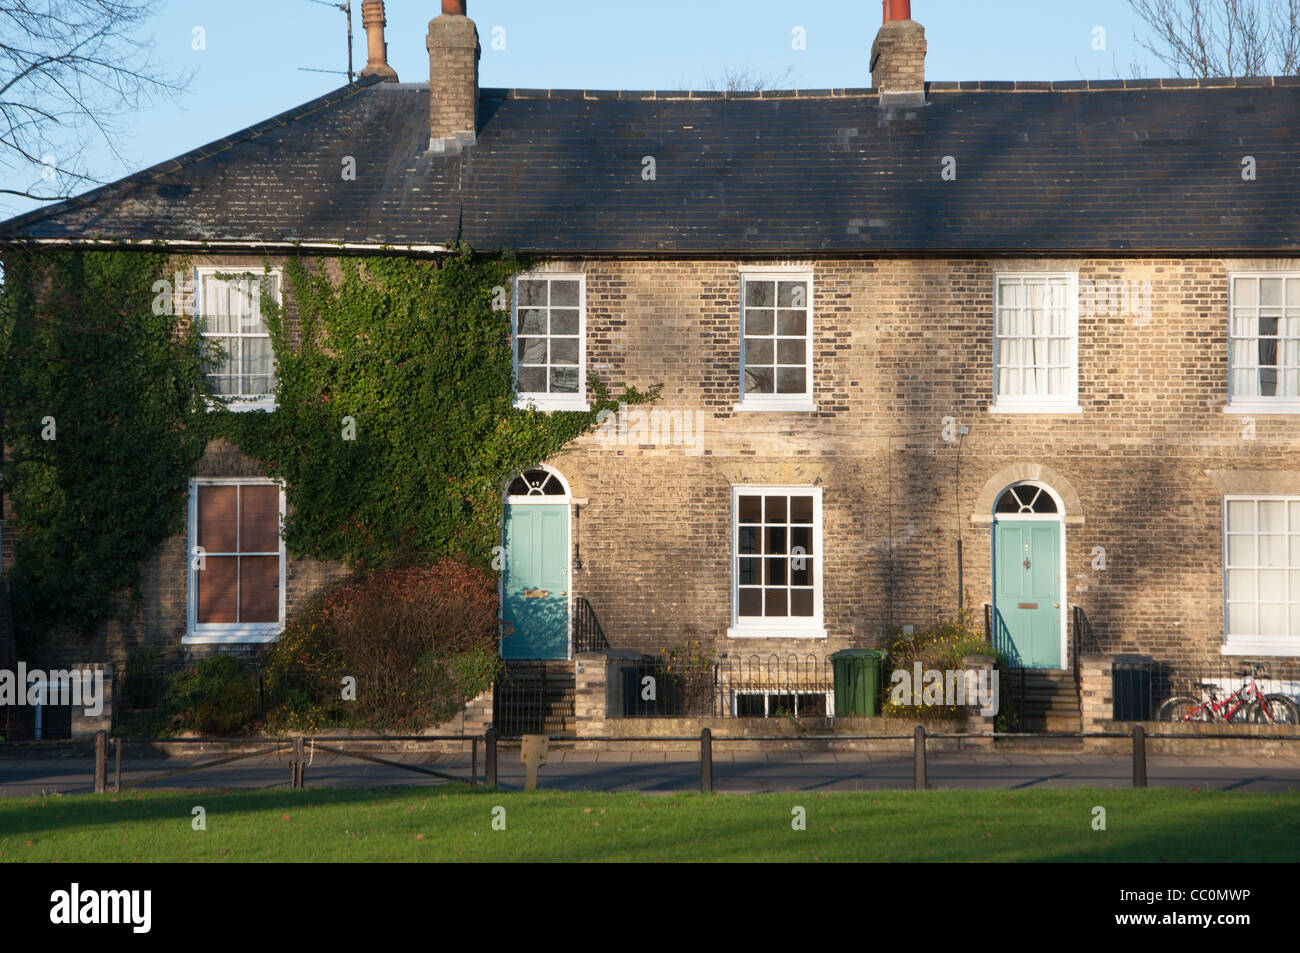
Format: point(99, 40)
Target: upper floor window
point(1261, 549)
point(776, 369)
point(236, 556)
point(1035, 350)
point(241, 364)
point(1264, 343)
point(777, 562)
point(550, 342)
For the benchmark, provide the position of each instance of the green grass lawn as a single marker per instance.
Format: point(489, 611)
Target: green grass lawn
point(453, 823)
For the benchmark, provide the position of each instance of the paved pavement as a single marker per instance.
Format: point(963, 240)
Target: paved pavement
point(665, 772)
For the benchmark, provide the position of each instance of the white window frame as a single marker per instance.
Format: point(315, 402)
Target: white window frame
point(548, 401)
point(787, 627)
point(227, 633)
point(1256, 644)
point(1019, 403)
point(789, 403)
point(1256, 404)
point(238, 404)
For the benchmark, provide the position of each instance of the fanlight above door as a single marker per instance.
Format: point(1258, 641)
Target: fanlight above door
point(1025, 498)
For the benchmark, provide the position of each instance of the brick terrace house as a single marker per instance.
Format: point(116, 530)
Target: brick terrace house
point(1015, 346)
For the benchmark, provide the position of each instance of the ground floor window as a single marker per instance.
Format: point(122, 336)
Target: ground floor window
point(236, 561)
point(777, 561)
point(1262, 574)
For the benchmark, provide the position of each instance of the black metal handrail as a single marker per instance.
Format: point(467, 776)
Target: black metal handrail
point(588, 636)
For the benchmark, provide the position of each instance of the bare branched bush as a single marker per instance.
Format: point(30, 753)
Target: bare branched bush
point(1208, 38)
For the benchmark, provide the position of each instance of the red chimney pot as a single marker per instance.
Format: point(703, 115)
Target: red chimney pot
point(455, 8)
point(894, 9)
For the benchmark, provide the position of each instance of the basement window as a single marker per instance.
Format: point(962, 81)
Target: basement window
point(550, 331)
point(778, 704)
point(239, 360)
point(776, 325)
point(1264, 344)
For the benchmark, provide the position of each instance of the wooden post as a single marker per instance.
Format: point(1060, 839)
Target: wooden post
point(490, 756)
point(473, 762)
point(1139, 757)
point(101, 762)
point(919, 779)
point(117, 765)
point(706, 761)
point(532, 752)
point(296, 782)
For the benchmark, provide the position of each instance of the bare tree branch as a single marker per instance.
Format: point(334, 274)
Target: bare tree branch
point(746, 80)
point(69, 71)
point(1206, 38)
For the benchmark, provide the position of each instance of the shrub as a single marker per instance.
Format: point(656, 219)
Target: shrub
point(941, 646)
point(214, 697)
point(687, 679)
point(419, 642)
point(304, 672)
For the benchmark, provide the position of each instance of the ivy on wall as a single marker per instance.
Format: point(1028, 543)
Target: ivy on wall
point(395, 427)
point(394, 430)
point(104, 419)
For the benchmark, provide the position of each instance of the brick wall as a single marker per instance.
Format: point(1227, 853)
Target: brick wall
point(899, 345)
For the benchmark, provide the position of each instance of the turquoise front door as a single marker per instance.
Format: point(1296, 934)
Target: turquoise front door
point(1027, 592)
point(535, 582)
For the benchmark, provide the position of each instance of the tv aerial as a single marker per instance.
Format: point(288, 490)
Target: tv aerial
point(346, 7)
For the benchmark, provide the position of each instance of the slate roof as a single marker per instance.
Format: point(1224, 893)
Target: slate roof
point(1147, 166)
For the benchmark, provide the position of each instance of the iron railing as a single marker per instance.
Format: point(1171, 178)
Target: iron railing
point(744, 687)
point(1141, 685)
point(533, 698)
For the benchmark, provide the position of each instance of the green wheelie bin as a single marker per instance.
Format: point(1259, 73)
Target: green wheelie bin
point(857, 681)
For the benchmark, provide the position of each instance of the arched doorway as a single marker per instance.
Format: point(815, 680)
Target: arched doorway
point(535, 571)
point(1029, 575)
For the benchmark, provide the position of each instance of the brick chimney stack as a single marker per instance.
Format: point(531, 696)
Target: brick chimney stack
point(453, 79)
point(372, 16)
point(898, 55)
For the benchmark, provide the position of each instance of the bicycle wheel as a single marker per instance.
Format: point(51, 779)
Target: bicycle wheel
point(1281, 711)
point(1181, 708)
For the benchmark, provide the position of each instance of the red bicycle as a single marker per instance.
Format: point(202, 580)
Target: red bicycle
point(1246, 704)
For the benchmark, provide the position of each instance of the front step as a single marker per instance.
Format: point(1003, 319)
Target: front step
point(1049, 700)
point(535, 697)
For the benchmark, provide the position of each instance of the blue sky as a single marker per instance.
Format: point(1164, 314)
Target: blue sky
point(249, 67)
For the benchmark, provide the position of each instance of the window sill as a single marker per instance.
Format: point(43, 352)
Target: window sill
point(240, 405)
point(233, 635)
point(546, 403)
point(792, 631)
point(1277, 646)
point(1036, 408)
point(793, 405)
point(1266, 407)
